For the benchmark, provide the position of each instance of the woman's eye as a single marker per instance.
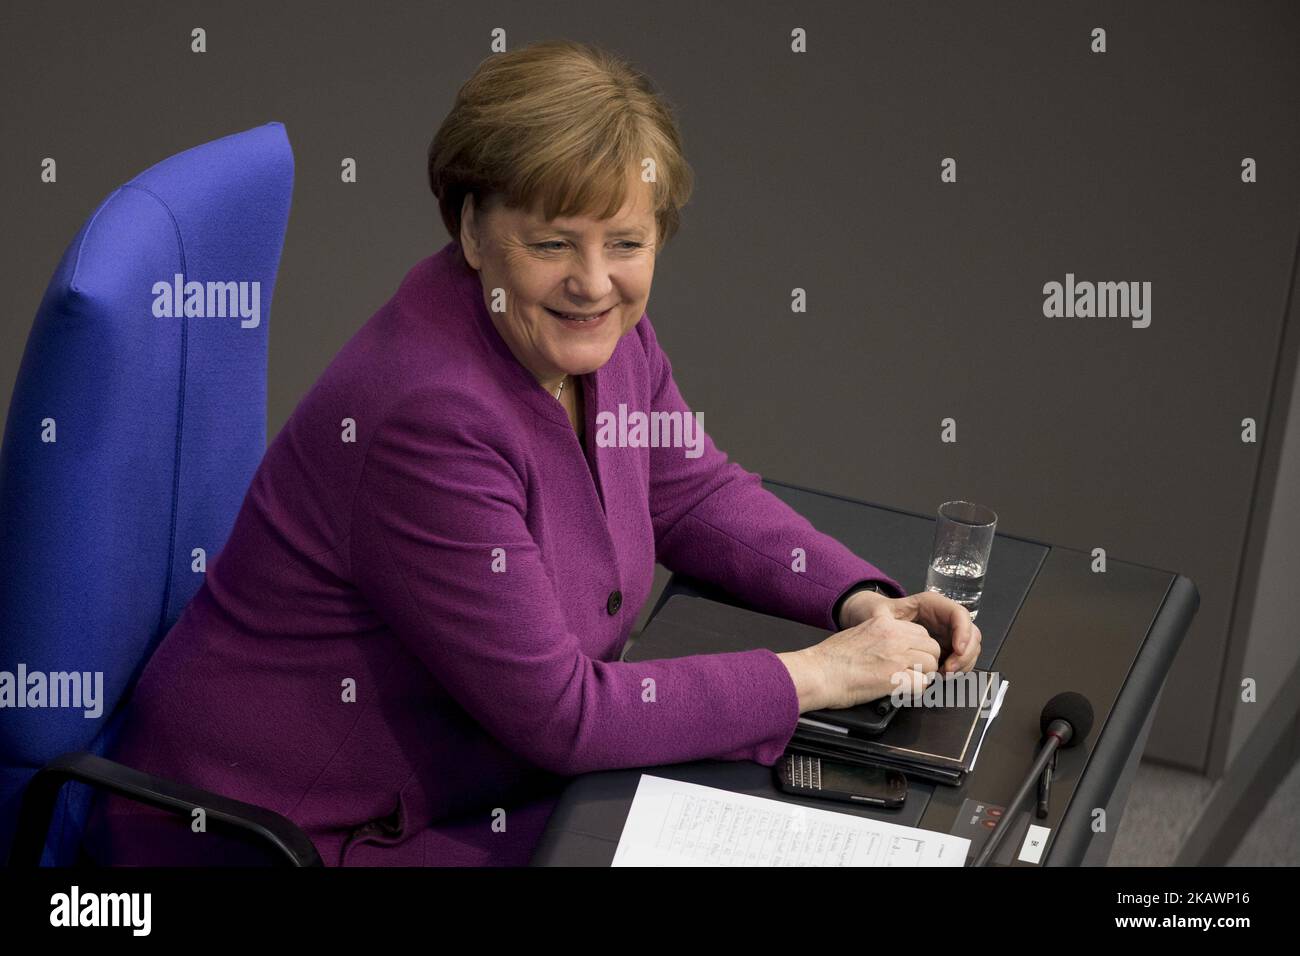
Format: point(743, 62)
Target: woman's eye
point(554, 245)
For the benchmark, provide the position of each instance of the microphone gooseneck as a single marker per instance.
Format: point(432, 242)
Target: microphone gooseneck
point(1065, 721)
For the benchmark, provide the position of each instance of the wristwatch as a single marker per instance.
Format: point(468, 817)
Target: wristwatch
point(835, 611)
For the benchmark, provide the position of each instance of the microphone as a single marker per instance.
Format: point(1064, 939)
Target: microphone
point(1066, 719)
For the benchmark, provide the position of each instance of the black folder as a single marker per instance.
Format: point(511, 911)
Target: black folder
point(932, 743)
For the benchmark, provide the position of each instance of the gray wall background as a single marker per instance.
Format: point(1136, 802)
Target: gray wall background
point(818, 171)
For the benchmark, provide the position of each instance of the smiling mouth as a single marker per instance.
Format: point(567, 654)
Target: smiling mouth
point(577, 316)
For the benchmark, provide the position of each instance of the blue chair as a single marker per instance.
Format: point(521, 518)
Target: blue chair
point(138, 418)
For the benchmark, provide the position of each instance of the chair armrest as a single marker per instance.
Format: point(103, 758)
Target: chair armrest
point(292, 846)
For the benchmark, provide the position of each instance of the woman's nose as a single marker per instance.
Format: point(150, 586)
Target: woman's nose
point(590, 280)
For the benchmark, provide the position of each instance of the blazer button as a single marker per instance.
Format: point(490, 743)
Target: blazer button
point(614, 603)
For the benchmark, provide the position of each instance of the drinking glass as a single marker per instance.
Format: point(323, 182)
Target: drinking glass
point(959, 560)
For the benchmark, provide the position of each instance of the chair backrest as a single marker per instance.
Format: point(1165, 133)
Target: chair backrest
point(137, 420)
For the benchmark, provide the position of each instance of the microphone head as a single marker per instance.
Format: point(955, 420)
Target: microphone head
point(1072, 708)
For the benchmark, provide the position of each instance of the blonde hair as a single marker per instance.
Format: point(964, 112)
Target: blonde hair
point(562, 125)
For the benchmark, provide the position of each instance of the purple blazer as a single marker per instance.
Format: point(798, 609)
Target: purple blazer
point(412, 635)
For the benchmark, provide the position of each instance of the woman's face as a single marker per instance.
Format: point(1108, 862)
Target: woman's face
point(579, 266)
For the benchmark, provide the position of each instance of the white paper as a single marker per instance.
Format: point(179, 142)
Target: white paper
point(1031, 851)
point(997, 705)
point(672, 823)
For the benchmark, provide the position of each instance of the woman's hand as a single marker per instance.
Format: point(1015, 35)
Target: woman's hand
point(943, 618)
point(884, 636)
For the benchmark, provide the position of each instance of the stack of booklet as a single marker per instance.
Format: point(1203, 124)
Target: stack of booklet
point(936, 737)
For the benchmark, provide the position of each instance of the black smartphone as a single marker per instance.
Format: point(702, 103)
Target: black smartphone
point(810, 776)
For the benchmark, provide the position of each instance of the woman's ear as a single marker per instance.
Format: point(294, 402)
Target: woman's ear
point(469, 232)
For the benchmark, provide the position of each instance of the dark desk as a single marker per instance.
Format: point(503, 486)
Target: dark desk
point(1049, 624)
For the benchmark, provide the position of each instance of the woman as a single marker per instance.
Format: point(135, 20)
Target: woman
point(412, 636)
